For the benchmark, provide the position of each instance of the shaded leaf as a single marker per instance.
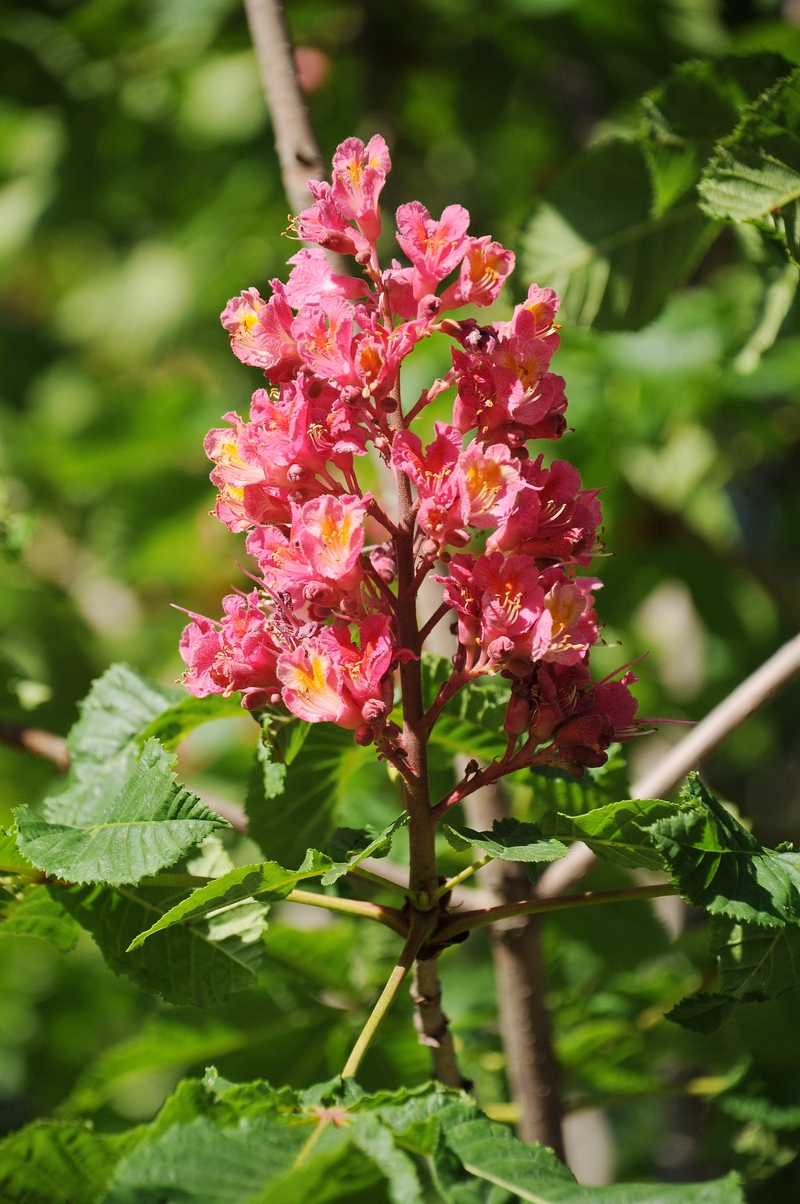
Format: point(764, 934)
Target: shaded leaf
point(147, 825)
point(163, 1044)
point(38, 914)
point(704, 1012)
point(599, 240)
point(509, 840)
point(197, 963)
point(754, 175)
point(377, 1143)
point(58, 1163)
point(304, 815)
point(755, 961)
point(350, 846)
point(119, 705)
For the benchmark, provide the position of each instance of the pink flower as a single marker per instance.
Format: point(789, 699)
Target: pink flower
point(570, 626)
point(358, 175)
point(488, 482)
point(580, 718)
point(261, 332)
point(553, 518)
point(238, 654)
point(434, 248)
point(500, 606)
point(313, 278)
point(484, 269)
point(329, 677)
point(324, 224)
point(313, 688)
point(324, 334)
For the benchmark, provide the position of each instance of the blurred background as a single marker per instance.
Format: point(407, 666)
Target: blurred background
point(139, 189)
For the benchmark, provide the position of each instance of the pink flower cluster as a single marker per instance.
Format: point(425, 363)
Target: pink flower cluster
point(320, 632)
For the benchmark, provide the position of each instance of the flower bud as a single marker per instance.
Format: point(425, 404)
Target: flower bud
point(351, 395)
point(373, 710)
point(429, 548)
point(459, 538)
point(363, 735)
point(319, 592)
point(363, 257)
point(428, 307)
point(314, 388)
point(501, 648)
point(296, 472)
point(518, 715)
point(388, 405)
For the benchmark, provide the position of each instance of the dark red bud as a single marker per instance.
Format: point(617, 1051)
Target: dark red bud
point(363, 735)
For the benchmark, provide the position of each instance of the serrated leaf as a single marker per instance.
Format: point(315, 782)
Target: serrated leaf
point(756, 962)
point(39, 915)
point(173, 725)
point(203, 1164)
point(490, 1152)
point(11, 860)
point(618, 832)
point(720, 866)
point(267, 880)
point(348, 847)
point(509, 840)
point(163, 1044)
point(183, 964)
point(556, 790)
point(699, 103)
point(119, 705)
point(58, 1163)
point(378, 1144)
point(754, 175)
point(304, 815)
point(704, 1012)
point(147, 825)
point(599, 241)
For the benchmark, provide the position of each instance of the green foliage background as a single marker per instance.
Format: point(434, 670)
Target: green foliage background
point(138, 191)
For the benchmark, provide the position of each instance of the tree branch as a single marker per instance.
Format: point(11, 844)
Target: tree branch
point(521, 984)
point(298, 152)
point(686, 755)
point(432, 1025)
point(389, 916)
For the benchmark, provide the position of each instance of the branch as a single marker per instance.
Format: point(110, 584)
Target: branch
point(299, 155)
point(658, 782)
point(34, 740)
point(529, 907)
point(521, 988)
point(389, 916)
point(432, 1025)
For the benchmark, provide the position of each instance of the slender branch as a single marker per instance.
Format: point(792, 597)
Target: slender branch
point(457, 879)
point(387, 997)
point(432, 1025)
point(34, 740)
point(435, 618)
point(378, 880)
point(529, 907)
point(298, 152)
point(672, 768)
point(389, 916)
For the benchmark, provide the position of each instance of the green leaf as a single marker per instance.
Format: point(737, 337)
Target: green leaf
point(11, 860)
point(174, 725)
point(200, 1163)
point(268, 880)
point(556, 790)
point(618, 832)
point(348, 847)
point(200, 963)
point(600, 241)
point(472, 721)
point(38, 914)
point(704, 1012)
point(756, 962)
point(489, 1151)
point(61, 1163)
point(509, 840)
point(377, 1143)
point(699, 103)
point(754, 175)
point(304, 815)
point(720, 866)
point(119, 705)
point(147, 825)
point(163, 1044)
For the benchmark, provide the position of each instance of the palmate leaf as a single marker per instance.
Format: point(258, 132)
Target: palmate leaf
point(304, 814)
point(509, 840)
point(754, 175)
point(348, 847)
point(756, 962)
point(173, 725)
point(36, 913)
point(119, 705)
point(618, 832)
point(202, 963)
point(719, 866)
point(122, 837)
point(267, 880)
